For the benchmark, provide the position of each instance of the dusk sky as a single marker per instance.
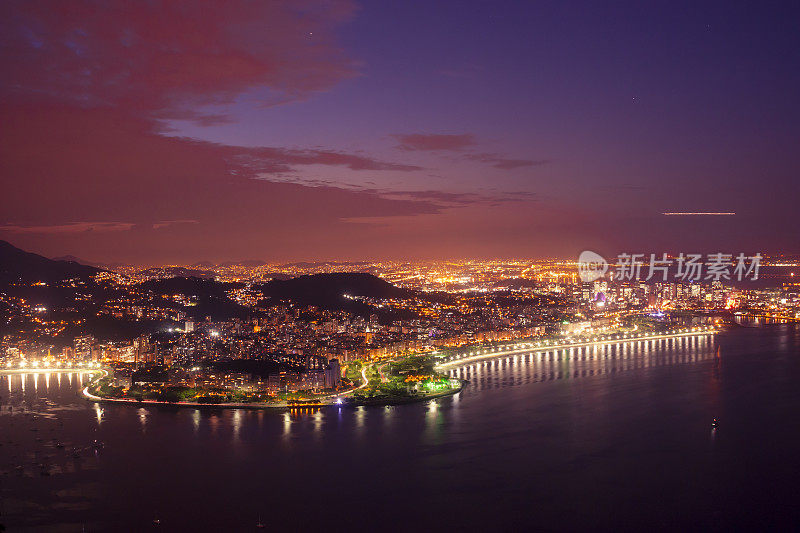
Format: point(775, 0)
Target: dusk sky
point(148, 132)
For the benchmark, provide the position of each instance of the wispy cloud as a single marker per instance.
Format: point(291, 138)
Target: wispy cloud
point(283, 160)
point(124, 54)
point(463, 144)
point(167, 223)
point(434, 197)
point(462, 199)
point(506, 163)
point(72, 227)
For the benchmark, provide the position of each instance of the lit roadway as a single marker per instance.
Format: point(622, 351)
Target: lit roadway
point(364, 379)
point(458, 360)
point(384, 379)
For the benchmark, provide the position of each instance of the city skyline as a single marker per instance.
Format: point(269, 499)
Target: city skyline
point(409, 265)
point(344, 131)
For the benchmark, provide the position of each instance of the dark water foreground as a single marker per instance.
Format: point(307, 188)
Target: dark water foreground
point(594, 440)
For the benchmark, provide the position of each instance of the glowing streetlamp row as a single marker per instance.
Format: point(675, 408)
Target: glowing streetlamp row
point(632, 336)
point(57, 365)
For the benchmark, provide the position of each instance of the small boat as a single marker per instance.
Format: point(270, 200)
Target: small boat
point(259, 523)
point(714, 424)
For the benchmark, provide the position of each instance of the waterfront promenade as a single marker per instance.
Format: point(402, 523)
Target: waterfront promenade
point(460, 359)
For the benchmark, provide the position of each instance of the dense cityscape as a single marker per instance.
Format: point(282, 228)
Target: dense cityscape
point(291, 334)
point(335, 265)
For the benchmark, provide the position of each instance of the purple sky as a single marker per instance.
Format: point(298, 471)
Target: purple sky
point(150, 132)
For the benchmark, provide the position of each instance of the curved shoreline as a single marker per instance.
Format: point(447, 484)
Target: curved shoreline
point(275, 405)
point(410, 399)
point(488, 355)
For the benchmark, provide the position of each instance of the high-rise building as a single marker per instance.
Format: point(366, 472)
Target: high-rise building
point(315, 362)
point(142, 353)
point(586, 292)
point(83, 346)
point(695, 290)
point(333, 374)
point(68, 352)
point(718, 291)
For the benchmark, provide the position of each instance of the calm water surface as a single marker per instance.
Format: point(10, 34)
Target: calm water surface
point(600, 439)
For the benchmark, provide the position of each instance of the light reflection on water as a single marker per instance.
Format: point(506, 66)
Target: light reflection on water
point(580, 362)
point(196, 420)
point(547, 430)
point(511, 371)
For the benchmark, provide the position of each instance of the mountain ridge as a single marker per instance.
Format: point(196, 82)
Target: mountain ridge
point(18, 265)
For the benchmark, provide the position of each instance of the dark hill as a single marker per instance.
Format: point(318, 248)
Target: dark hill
point(19, 265)
point(328, 290)
point(73, 259)
point(279, 276)
point(333, 285)
point(212, 298)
